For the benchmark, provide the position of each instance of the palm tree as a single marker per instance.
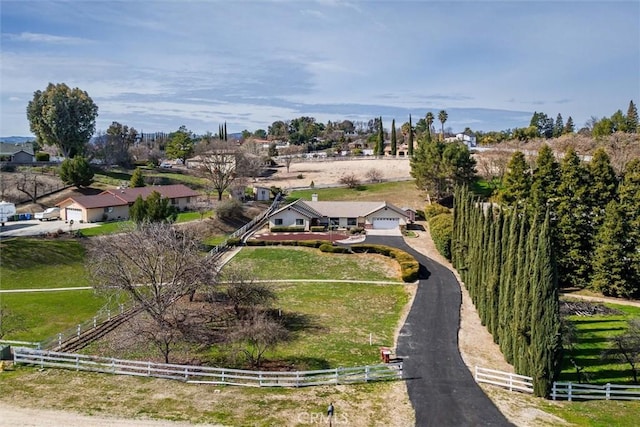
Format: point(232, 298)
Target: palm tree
point(443, 116)
point(429, 119)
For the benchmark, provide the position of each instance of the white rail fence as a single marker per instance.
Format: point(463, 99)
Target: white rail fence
point(208, 375)
point(513, 382)
point(571, 391)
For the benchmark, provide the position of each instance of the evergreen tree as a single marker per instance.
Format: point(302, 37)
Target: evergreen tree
point(519, 324)
point(544, 182)
point(508, 279)
point(379, 147)
point(612, 269)
point(180, 145)
point(558, 127)
point(629, 194)
point(569, 127)
point(410, 147)
point(76, 171)
point(632, 118)
point(442, 117)
point(138, 211)
point(394, 142)
point(158, 208)
point(516, 184)
point(603, 185)
point(546, 342)
point(574, 227)
point(225, 131)
point(137, 178)
point(429, 119)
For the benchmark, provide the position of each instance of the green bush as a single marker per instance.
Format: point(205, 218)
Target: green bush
point(41, 156)
point(317, 228)
point(229, 209)
point(410, 271)
point(328, 247)
point(441, 228)
point(433, 210)
point(356, 230)
point(234, 241)
point(256, 243)
point(409, 267)
point(284, 229)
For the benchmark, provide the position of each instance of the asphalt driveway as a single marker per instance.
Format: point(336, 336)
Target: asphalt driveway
point(441, 388)
point(33, 227)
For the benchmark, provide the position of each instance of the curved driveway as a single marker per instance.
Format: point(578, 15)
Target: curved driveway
point(441, 388)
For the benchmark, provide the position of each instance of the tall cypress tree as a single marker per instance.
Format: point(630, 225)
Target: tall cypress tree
point(508, 279)
point(225, 131)
point(394, 142)
point(519, 326)
point(632, 118)
point(410, 144)
point(546, 342)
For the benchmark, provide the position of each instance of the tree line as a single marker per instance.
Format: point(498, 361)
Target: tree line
point(506, 259)
point(594, 216)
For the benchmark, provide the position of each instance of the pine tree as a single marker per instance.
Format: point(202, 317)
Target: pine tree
point(574, 227)
point(544, 182)
point(410, 147)
point(394, 142)
point(603, 185)
point(137, 178)
point(546, 342)
point(516, 185)
point(569, 127)
point(632, 118)
point(558, 127)
point(138, 211)
point(629, 194)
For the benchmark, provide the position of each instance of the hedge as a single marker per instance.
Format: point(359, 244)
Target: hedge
point(42, 156)
point(409, 267)
point(282, 229)
point(434, 210)
point(317, 228)
point(441, 228)
point(328, 247)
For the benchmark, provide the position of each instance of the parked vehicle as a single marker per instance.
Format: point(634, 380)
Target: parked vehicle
point(166, 165)
point(7, 210)
point(48, 214)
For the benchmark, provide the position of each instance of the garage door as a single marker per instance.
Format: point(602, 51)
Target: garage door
point(386, 223)
point(74, 214)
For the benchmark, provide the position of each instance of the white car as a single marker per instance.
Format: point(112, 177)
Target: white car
point(48, 214)
point(166, 165)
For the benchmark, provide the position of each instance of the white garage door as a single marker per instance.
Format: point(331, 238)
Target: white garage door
point(386, 223)
point(74, 214)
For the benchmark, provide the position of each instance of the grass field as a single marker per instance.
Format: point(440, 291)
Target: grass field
point(592, 333)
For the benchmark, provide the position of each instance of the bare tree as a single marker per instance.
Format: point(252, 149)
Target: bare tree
point(244, 293)
point(258, 333)
point(374, 175)
point(31, 184)
point(626, 347)
point(287, 154)
point(217, 163)
point(350, 180)
point(155, 264)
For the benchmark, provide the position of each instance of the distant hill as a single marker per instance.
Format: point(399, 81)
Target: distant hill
point(16, 139)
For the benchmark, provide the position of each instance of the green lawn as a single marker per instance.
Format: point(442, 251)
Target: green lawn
point(308, 263)
point(592, 339)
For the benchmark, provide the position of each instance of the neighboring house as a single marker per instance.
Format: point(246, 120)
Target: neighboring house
point(262, 193)
point(114, 204)
point(224, 159)
point(16, 153)
point(301, 213)
point(468, 138)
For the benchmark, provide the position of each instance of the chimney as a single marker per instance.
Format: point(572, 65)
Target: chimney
point(314, 197)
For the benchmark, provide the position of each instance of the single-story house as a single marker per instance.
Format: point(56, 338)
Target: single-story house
point(303, 213)
point(16, 153)
point(114, 204)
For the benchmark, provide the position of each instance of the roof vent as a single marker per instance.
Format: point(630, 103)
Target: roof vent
point(314, 197)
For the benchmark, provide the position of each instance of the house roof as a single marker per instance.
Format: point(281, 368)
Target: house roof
point(7, 149)
point(169, 191)
point(333, 209)
point(97, 201)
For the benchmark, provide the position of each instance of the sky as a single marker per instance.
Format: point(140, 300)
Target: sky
point(157, 65)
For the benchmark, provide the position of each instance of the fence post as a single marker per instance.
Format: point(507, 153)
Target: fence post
point(366, 374)
point(337, 376)
point(95, 321)
point(260, 378)
point(109, 314)
point(78, 330)
point(149, 368)
point(569, 391)
point(510, 382)
point(476, 373)
point(553, 391)
point(297, 378)
point(608, 391)
point(186, 373)
point(60, 339)
point(77, 362)
point(121, 308)
point(222, 377)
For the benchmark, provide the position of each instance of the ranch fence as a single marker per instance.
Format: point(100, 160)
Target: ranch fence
point(572, 391)
point(560, 390)
point(208, 375)
point(513, 382)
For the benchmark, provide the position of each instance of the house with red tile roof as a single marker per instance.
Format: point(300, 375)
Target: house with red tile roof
point(114, 204)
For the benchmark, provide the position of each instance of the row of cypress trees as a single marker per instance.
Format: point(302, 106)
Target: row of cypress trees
point(506, 260)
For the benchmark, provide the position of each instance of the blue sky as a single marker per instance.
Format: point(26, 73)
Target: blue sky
point(157, 65)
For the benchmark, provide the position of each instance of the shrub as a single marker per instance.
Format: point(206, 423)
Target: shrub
point(317, 228)
point(300, 176)
point(356, 230)
point(441, 228)
point(256, 243)
point(234, 241)
point(284, 229)
point(229, 209)
point(433, 210)
point(41, 156)
point(328, 247)
point(408, 265)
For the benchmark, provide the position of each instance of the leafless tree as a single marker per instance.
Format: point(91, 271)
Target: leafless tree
point(350, 180)
point(257, 334)
point(287, 154)
point(244, 293)
point(626, 347)
point(374, 175)
point(155, 264)
point(249, 165)
point(217, 163)
point(31, 184)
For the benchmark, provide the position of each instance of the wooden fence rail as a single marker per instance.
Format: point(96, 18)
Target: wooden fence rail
point(573, 391)
point(513, 382)
point(208, 375)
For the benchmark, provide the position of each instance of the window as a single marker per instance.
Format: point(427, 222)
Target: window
point(352, 221)
point(108, 210)
point(277, 221)
point(174, 201)
point(334, 222)
point(299, 221)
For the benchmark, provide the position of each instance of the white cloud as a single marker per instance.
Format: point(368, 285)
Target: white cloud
point(45, 38)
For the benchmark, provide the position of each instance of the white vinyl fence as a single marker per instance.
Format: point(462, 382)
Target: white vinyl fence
point(571, 391)
point(208, 375)
point(513, 382)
